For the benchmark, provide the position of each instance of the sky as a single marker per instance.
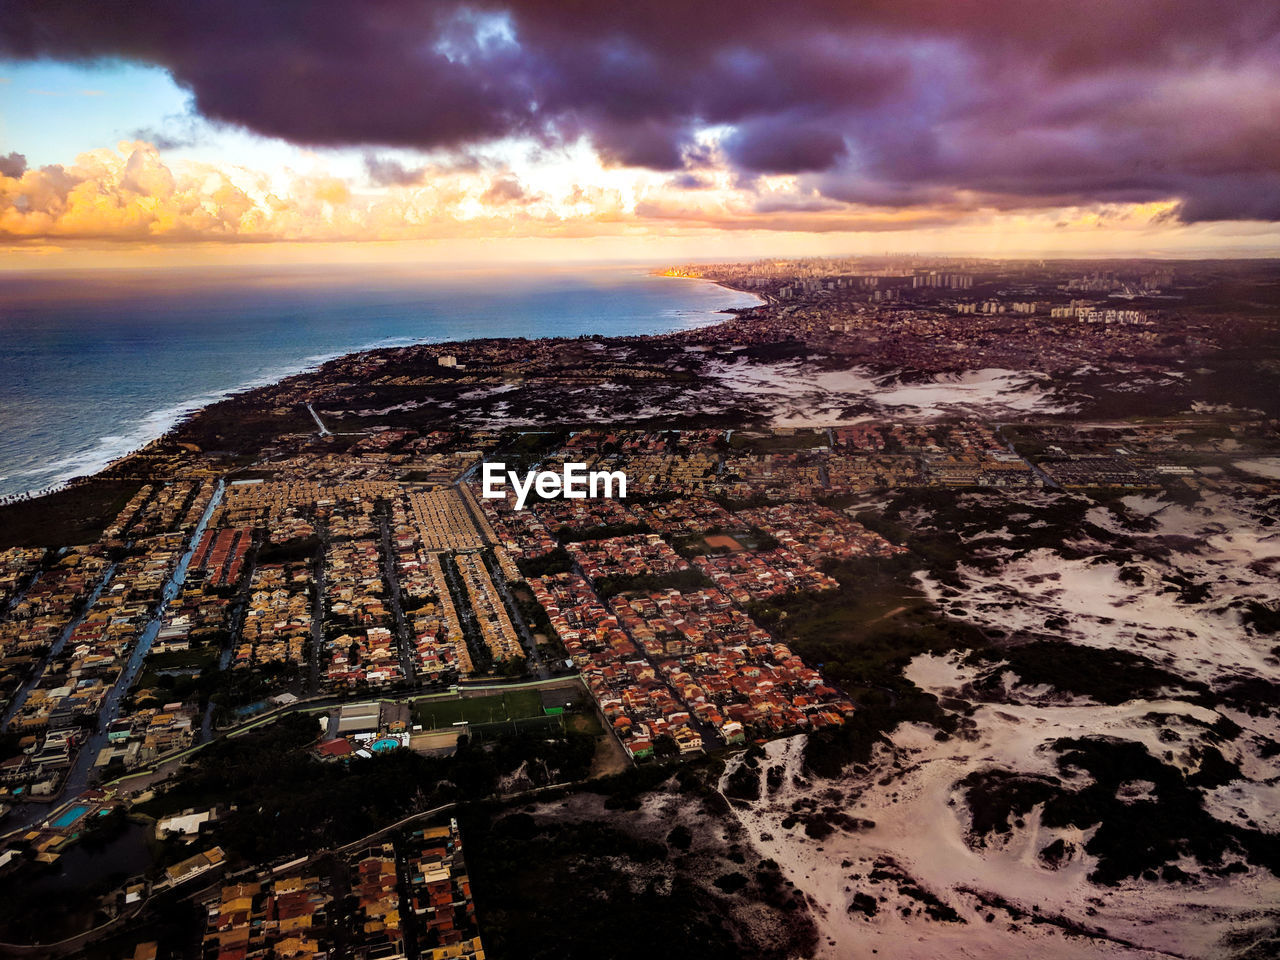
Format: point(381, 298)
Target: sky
point(364, 130)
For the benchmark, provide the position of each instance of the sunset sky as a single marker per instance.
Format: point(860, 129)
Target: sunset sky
point(226, 131)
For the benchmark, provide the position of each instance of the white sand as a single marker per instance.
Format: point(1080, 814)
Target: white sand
point(921, 822)
point(798, 396)
point(921, 819)
point(1268, 467)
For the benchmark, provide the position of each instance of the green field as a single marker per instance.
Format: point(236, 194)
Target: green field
point(75, 515)
point(446, 711)
point(191, 661)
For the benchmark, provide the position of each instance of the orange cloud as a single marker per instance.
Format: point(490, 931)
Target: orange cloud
point(132, 195)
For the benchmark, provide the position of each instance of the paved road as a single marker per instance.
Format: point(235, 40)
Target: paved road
point(324, 431)
point(408, 658)
point(77, 779)
point(466, 616)
point(530, 644)
point(317, 614)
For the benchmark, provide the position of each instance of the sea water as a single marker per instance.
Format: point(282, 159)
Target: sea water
point(97, 363)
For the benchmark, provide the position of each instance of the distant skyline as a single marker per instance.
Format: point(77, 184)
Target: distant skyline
point(523, 131)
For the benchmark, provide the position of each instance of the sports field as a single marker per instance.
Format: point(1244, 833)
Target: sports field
point(446, 711)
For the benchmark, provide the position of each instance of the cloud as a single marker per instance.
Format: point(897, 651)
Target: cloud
point(779, 145)
point(991, 103)
point(691, 181)
point(505, 189)
point(389, 172)
point(164, 140)
point(132, 194)
point(13, 165)
point(984, 103)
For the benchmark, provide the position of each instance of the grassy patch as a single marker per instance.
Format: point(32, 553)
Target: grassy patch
point(631, 898)
point(861, 636)
point(511, 705)
point(1107, 676)
point(692, 579)
point(800, 440)
point(73, 516)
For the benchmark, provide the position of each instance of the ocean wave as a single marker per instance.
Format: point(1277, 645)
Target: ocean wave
point(92, 453)
point(106, 450)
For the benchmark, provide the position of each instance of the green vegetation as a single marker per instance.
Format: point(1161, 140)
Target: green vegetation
point(285, 802)
point(557, 561)
point(954, 527)
point(237, 686)
point(75, 515)
point(601, 532)
point(521, 868)
point(861, 636)
point(1254, 695)
point(549, 644)
point(692, 579)
point(1137, 836)
point(291, 551)
point(187, 665)
point(773, 442)
point(522, 451)
point(1105, 675)
point(446, 711)
point(998, 798)
point(1264, 618)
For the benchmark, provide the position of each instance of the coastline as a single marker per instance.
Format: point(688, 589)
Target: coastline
point(115, 449)
point(176, 415)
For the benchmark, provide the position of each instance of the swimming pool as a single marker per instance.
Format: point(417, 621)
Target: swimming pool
point(384, 744)
point(70, 815)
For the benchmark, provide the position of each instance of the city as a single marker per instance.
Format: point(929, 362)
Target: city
point(510, 480)
point(348, 591)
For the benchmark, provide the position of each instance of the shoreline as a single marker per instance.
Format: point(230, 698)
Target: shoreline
point(178, 414)
point(156, 425)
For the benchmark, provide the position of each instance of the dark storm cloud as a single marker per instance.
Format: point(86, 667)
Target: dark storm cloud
point(1003, 103)
point(389, 172)
point(13, 165)
point(691, 181)
point(385, 171)
point(781, 145)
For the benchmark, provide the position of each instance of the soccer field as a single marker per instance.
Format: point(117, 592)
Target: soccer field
point(446, 711)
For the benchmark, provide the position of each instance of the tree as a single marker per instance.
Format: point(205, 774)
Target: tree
point(665, 747)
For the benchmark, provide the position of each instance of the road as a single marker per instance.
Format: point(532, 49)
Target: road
point(526, 635)
point(408, 658)
point(77, 778)
point(317, 613)
point(466, 616)
point(324, 431)
point(24, 691)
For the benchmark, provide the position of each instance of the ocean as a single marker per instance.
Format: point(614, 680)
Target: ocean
point(96, 364)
